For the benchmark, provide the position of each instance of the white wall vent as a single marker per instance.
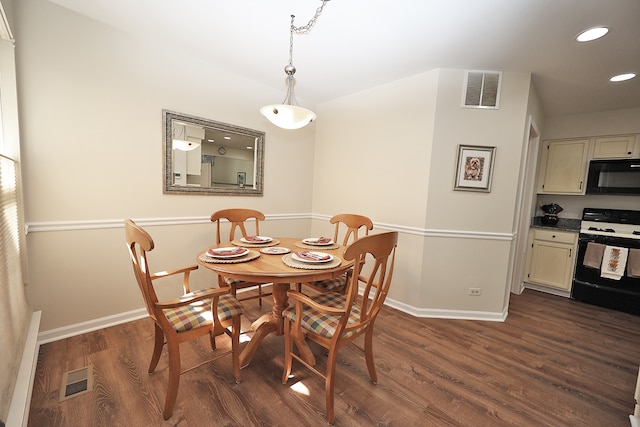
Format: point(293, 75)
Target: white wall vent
point(482, 89)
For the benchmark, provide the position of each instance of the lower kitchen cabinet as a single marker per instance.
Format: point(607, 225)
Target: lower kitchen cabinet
point(551, 258)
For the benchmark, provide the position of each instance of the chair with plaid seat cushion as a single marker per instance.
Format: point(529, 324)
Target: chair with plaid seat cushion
point(202, 312)
point(237, 218)
point(354, 223)
point(334, 319)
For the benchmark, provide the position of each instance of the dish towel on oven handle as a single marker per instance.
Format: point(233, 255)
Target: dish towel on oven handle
point(614, 261)
point(633, 263)
point(593, 255)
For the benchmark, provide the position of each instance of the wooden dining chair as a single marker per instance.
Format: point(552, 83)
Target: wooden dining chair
point(334, 320)
point(238, 217)
point(195, 313)
point(354, 224)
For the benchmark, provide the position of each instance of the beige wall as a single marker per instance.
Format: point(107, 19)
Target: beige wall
point(479, 227)
point(91, 100)
point(392, 151)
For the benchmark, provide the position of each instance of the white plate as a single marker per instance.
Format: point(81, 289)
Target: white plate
point(275, 250)
point(228, 252)
point(314, 241)
point(297, 257)
point(256, 239)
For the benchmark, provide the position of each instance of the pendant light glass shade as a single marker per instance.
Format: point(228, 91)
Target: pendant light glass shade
point(182, 145)
point(288, 115)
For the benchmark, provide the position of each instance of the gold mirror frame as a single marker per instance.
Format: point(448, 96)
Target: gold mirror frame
point(239, 176)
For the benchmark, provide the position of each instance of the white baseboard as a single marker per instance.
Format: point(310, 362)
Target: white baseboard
point(104, 322)
point(91, 325)
point(548, 290)
point(21, 399)
point(447, 314)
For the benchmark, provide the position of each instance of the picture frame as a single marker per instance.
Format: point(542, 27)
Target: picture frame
point(474, 168)
point(242, 178)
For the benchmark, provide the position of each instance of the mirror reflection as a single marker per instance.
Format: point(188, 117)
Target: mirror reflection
point(207, 157)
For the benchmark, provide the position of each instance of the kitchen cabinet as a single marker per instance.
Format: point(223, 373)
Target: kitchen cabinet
point(186, 167)
point(563, 166)
point(614, 147)
point(551, 258)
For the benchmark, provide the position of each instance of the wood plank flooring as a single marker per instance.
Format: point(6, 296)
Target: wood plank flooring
point(554, 362)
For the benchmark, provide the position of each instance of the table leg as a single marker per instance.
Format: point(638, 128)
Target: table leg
point(274, 323)
point(263, 327)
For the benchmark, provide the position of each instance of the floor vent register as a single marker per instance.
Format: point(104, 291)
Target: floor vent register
point(76, 383)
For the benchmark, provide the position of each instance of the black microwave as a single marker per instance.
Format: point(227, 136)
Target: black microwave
point(614, 177)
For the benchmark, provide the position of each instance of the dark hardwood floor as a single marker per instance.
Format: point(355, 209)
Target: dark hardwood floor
point(554, 362)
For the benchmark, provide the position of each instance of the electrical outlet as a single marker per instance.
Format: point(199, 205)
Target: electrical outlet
point(475, 291)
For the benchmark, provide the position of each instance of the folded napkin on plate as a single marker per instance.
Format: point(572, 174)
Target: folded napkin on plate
point(308, 256)
point(633, 264)
point(256, 239)
point(226, 251)
point(613, 262)
point(593, 255)
point(321, 240)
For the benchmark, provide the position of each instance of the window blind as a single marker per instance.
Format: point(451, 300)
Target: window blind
point(13, 315)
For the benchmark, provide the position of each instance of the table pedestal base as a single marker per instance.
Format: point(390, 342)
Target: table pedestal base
point(274, 323)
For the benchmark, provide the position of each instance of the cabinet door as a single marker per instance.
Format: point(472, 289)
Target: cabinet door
point(179, 167)
point(614, 147)
point(566, 166)
point(194, 161)
point(551, 264)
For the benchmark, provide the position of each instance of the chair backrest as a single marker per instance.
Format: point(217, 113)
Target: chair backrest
point(139, 242)
point(353, 223)
point(382, 248)
point(237, 218)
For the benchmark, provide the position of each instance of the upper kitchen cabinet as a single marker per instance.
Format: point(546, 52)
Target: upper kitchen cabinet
point(563, 165)
point(614, 147)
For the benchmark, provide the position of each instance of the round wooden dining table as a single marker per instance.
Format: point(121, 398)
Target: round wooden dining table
point(280, 270)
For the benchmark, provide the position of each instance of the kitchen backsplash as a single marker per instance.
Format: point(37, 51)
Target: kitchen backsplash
point(573, 205)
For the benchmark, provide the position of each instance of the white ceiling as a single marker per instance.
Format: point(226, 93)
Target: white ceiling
point(357, 44)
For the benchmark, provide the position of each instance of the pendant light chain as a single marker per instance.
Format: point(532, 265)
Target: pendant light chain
point(305, 29)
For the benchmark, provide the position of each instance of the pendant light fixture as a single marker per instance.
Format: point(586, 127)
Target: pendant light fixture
point(182, 141)
point(289, 115)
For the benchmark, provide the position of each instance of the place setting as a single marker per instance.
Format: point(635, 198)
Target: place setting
point(317, 243)
point(311, 260)
point(255, 242)
point(228, 255)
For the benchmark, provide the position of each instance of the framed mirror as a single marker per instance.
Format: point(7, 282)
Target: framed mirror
point(203, 156)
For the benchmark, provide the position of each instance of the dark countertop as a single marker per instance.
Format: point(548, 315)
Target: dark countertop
point(564, 224)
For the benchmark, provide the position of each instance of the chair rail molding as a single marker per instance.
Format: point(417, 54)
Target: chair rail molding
point(96, 224)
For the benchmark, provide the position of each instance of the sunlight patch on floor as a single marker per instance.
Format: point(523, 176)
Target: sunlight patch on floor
point(299, 387)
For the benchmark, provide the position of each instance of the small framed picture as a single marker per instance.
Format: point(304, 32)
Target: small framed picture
point(474, 168)
point(242, 178)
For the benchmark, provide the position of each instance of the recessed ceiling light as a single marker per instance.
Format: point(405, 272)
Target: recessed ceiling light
point(622, 77)
point(592, 34)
